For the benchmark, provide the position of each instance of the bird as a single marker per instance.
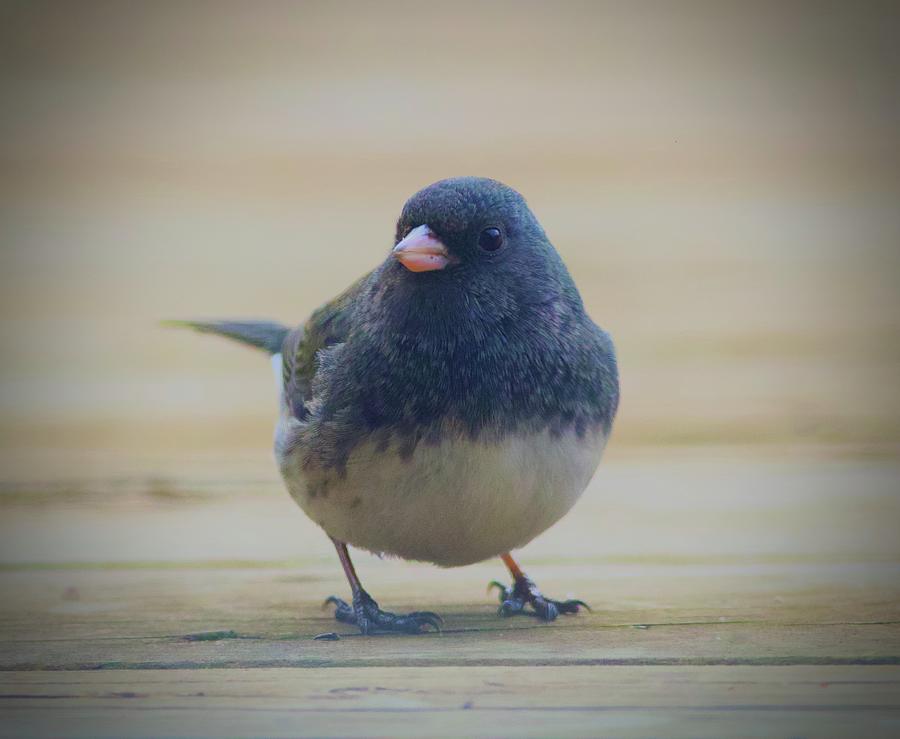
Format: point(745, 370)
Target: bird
point(450, 405)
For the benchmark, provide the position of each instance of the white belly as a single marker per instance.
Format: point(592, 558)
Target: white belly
point(452, 504)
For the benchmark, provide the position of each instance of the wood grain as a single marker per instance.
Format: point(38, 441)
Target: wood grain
point(478, 701)
point(762, 600)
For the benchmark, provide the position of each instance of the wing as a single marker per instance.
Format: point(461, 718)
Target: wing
point(327, 326)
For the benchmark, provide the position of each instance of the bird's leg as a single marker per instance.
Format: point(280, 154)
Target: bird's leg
point(364, 611)
point(523, 590)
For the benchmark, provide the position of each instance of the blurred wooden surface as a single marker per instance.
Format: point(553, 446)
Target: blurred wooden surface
point(722, 183)
point(742, 606)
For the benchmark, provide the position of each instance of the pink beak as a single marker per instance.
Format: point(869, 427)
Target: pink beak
point(421, 251)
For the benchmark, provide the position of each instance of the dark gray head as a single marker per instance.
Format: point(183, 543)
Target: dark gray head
point(475, 239)
point(476, 220)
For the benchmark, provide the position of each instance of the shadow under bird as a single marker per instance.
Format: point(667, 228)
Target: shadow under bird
point(450, 405)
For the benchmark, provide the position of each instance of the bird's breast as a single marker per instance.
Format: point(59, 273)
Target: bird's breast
point(452, 503)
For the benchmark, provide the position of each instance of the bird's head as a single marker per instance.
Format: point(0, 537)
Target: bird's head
point(474, 241)
point(464, 223)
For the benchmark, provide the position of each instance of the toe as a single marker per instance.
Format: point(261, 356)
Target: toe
point(502, 591)
point(523, 591)
point(343, 611)
point(511, 607)
point(571, 606)
point(546, 610)
point(414, 623)
point(427, 616)
point(365, 626)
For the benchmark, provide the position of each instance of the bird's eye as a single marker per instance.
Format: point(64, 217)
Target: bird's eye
point(490, 239)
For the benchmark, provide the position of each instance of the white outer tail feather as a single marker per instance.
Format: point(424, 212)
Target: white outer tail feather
point(277, 369)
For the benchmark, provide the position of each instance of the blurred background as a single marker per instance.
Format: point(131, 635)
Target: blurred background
point(721, 178)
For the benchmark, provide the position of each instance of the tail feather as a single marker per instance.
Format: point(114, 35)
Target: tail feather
point(266, 335)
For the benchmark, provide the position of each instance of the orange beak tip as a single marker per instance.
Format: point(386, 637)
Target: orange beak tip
point(422, 262)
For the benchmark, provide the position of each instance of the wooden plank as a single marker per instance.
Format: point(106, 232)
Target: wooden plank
point(750, 645)
point(769, 614)
point(441, 701)
point(257, 618)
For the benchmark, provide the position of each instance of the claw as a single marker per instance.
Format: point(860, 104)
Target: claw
point(343, 611)
point(503, 592)
point(369, 618)
point(572, 606)
point(427, 615)
point(514, 598)
point(427, 618)
point(495, 584)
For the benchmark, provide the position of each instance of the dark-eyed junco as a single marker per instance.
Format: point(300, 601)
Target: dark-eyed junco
point(450, 405)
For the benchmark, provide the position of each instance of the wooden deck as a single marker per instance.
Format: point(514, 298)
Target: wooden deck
point(732, 596)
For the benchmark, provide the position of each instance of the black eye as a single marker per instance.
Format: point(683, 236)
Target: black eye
point(490, 239)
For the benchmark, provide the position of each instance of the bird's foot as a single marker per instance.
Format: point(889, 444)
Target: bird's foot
point(523, 591)
point(365, 613)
